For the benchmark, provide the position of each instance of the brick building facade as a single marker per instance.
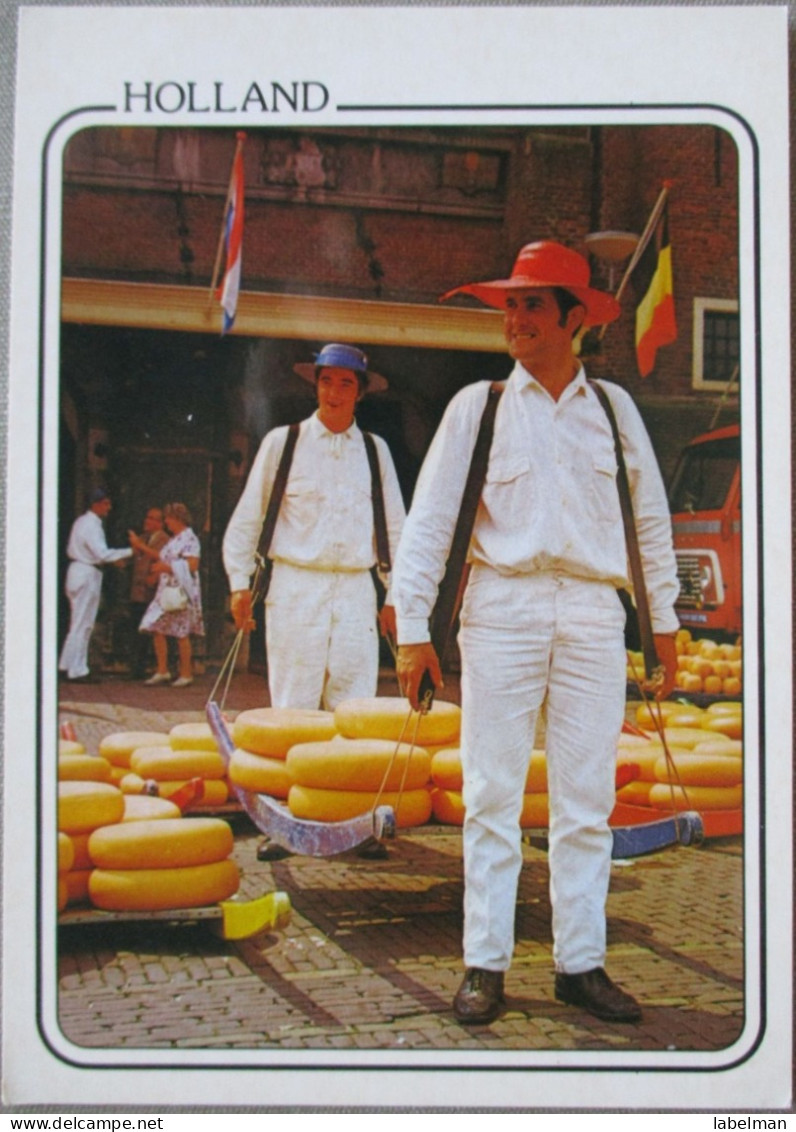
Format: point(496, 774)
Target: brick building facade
point(353, 235)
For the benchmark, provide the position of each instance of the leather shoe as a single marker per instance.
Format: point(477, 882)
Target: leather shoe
point(480, 996)
point(268, 850)
point(598, 995)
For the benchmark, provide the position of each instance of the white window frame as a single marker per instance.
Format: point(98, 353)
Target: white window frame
point(697, 365)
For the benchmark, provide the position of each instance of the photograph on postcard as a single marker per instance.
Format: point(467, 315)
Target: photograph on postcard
point(403, 684)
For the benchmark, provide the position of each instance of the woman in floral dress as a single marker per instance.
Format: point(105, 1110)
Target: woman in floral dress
point(177, 564)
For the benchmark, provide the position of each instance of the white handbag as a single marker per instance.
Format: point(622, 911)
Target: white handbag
point(173, 597)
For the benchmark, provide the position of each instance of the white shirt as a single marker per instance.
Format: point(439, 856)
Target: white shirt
point(87, 542)
point(550, 501)
point(326, 518)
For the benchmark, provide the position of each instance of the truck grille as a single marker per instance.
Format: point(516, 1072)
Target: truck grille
point(688, 577)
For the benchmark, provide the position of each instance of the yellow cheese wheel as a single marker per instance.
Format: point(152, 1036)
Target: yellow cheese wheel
point(63, 894)
point(70, 747)
point(66, 853)
point(720, 745)
point(359, 764)
point(84, 768)
point(648, 715)
point(724, 723)
point(733, 707)
point(192, 737)
point(143, 807)
point(635, 793)
point(131, 783)
point(684, 716)
point(157, 890)
point(701, 770)
point(171, 843)
point(273, 731)
point(118, 747)
point(80, 847)
point(118, 774)
point(696, 797)
point(448, 808)
point(216, 791)
point(83, 806)
point(385, 717)
point(626, 740)
point(310, 804)
point(259, 774)
point(446, 771)
point(77, 882)
point(644, 758)
point(167, 765)
point(683, 737)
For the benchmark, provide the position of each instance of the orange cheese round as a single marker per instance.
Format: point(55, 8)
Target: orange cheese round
point(273, 731)
point(700, 770)
point(157, 890)
point(167, 765)
point(84, 806)
point(192, 737)
point(119, 746)
point(665, 797)
point(83, 768)
point(259, 774)
point(143, 807)
point(389, 717)
point(359, 764)
point(311, 804)
point(161, 844)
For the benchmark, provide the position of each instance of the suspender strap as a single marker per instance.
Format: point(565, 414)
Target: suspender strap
point(379, 517)
point(278, 493)
point(651, 659)
point(455, 578)
point(272, 510)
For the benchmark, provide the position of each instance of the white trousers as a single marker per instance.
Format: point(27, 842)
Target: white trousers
point(83, 588)
point(524, 640)
point(321, 637)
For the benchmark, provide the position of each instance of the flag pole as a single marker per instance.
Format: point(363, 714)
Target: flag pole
point(240, 138)
point(640, 248)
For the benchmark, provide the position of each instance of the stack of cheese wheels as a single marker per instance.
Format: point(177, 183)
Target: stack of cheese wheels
point(709, 776)
point(83, 806)
point(118, 747)
point(159, 865)
point(389, 719)
point(263, 737)
point(446, 797)
point(707, 667)
point(66, 862)
point(171, 768)
point(342, 778)
point(705, 772)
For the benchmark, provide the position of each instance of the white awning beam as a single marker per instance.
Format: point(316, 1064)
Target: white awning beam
point(98, 302)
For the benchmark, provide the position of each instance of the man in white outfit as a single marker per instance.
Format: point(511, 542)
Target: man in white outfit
point(88, 553)
point(541, 622)
point(321, 615)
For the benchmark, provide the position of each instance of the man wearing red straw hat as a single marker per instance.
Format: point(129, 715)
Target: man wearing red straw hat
point(541, 622)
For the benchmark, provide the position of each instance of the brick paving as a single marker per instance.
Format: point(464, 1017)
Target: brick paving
point(371, 957)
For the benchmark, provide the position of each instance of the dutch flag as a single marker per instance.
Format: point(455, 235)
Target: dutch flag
point(227, 292)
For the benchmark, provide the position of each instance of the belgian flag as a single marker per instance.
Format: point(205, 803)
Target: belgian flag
point(655, 321)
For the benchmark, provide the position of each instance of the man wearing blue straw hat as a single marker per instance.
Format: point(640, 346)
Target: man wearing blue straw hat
point(321, 615)
point(542, 623)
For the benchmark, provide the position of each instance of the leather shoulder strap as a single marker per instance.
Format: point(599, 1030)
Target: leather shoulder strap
point(651, 659)
point(377, 495)
point(453, 582)
point(277, 491)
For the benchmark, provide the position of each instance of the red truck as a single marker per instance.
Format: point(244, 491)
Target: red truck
point(705, 502)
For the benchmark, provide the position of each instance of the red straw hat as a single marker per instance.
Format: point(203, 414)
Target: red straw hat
point(547, 264)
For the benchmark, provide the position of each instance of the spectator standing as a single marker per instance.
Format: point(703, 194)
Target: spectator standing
point(88, 552)
point(142, 588)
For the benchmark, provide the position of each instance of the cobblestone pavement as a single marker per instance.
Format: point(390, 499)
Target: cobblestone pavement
point(371, 957)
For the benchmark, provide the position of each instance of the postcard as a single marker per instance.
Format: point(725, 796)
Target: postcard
point(216, 210)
